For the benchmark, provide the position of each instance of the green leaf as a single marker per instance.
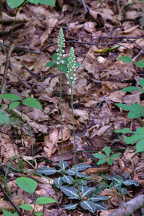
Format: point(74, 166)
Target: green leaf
point(71, 192)
point(27, 184)
point(102, 161)
point(125, 59)
point(15, 3)
point(45, 200)
point(62, 68)
point(107, 150)
point(50, 64)
point(131, 89)
point(139, 131)
point(115, 156)
point(8, 213)
point(133, 139)
point(38, 214)
point(140, 146)
point(141, 82)
point(26, 207)
point(4, 118)
point(99, 156)
point(45, 2)
point(46, 171)
point(88, 205)
point(32, 102)
point(14, 105)
point(11, 97)
point(140, 64)
point(70, 206)
point(122, 106)
point(123, 131)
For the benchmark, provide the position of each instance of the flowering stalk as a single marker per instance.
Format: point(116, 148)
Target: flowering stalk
point(71, 67)
point(61, 47)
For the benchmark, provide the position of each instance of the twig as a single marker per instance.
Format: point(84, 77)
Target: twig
point(9, 200)
point(129, 207)
point(8, 55)
point(85, 6)
point(20, 48)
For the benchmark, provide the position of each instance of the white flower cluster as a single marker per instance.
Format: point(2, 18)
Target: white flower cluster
point(71, 65)
point(61, 47)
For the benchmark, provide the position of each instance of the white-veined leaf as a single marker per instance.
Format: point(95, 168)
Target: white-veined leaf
point(71, 192)
point(70, 206)
point(58, 182)
point(88, 205)
point(67, 179)
point(63, 165)
point(81, 167)
point(86, 191)
point(131, 182)
point(46, 171)
point(99, 198)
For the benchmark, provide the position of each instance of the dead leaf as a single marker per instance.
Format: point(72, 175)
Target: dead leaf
point(50, 142)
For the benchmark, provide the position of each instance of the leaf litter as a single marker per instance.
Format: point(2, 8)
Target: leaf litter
point(99, 81)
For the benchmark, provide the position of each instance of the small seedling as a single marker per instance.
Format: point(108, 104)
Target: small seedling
point(107, 157)
point(29, 185)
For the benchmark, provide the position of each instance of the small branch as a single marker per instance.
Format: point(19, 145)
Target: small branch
point(129, 207)
point(7, 63)
point(9, 200)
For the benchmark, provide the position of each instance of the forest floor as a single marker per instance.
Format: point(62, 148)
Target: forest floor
point(42, 138)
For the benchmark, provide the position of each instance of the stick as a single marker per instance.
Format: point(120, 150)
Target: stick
point(129, 207)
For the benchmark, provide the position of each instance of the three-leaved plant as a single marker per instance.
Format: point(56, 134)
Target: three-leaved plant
point(107, 156)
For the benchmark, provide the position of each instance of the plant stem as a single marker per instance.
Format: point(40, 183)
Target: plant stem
point(72, 108)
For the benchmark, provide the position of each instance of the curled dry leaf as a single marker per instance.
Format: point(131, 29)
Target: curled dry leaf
point(51, 141)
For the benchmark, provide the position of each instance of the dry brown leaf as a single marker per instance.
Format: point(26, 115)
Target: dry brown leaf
point(50, 142)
